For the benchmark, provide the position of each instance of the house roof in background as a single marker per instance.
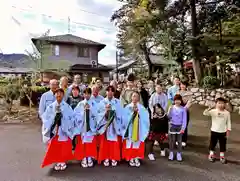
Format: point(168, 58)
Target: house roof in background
point(155, 59)
point(127, 64)
point(69, 38)
point(159, 60)
point(89, 67)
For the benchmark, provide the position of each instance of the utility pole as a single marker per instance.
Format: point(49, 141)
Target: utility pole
point(117, 62)
point(69, 25)
point(196, 61)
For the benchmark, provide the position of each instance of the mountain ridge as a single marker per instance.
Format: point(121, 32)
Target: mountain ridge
point(14, 60)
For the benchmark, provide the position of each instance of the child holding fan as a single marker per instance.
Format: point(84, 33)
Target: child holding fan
point(57, 132)
point(85, 126)
point(135, 131)
point(109, 129)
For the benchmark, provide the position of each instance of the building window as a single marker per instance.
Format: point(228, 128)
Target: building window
point(56, 50)
point(83, 52)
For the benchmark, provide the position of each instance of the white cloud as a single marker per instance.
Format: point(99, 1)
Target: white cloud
point(36, 17)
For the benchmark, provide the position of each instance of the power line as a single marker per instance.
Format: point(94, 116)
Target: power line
point(74, 22)
point(30, 35)
point(69, 25)
point(83, 10)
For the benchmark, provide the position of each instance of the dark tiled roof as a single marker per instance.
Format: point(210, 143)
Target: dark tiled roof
point(69, 38)
point(80, 66)
point(159, 60)
point(127, 64)
point(155, 59)
point(104, 66)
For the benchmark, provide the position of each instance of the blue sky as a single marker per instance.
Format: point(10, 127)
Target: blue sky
point(34, 17)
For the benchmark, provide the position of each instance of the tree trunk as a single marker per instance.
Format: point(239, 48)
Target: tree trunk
point(196, 61)
point(147, 58)
point(183, 42)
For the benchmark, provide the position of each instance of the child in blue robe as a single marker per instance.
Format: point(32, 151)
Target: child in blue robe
point(136, 125)
point(57, 132)
point(110, 115)
point(86, 114)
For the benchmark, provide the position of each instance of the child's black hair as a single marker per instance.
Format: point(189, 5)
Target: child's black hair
point(136, 92)
point(87, 91)
point(110, 88)
point(159, 106)
point(221, 99)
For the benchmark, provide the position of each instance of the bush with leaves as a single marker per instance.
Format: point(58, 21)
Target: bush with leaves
point(12, 93)
point(39, 89)
point(3, 82)
point(34, 92)
point(211, 82)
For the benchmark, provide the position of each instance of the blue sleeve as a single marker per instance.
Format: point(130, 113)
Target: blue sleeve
point(42, 105)
point(169, 94)
point(184, 117)
point(165, 102)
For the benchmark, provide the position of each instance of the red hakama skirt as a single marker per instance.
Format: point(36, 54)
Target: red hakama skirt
point(120, 141)
point(84, 150)
point(98, 137)
point(131, 153)
point(108, 149)
point(58, 152)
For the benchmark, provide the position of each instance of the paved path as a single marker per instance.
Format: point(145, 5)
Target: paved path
point(21, 152)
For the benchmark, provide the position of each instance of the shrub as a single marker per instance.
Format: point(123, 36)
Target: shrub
point(211, 82)
point(35, 92)
point(12, 92)
point(3, 82)
point(40, 89)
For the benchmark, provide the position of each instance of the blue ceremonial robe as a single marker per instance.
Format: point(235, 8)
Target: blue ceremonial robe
point(114, 129)
point(97, 99)
point(80, 121)
point(144, 125)
point(66, 130)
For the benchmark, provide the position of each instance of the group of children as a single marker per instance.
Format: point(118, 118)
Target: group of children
point(107, 133)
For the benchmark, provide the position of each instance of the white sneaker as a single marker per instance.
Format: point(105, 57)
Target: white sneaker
point(163, 153)
point(184, 144)
point(176, 143)
point(151, 157)
point(156, 143)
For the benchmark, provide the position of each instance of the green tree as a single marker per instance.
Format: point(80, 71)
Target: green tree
point(163, 27)
point(139, 25)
